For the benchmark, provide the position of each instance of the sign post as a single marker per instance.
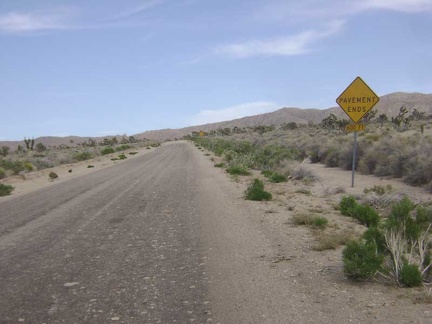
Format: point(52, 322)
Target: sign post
point(356, 100)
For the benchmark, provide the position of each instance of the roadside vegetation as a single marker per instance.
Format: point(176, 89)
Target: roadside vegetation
point(5, 190)
point(397, 147)
point(381, 234)
point(397, 247)
point(32, 156)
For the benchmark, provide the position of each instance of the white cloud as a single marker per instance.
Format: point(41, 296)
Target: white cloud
point(234, 112)
point(291, 45)
point(143, 7)
point(14, 22)
point(408, 6)
point(312, 11)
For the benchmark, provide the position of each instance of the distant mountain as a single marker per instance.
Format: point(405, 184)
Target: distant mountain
point(388, 104)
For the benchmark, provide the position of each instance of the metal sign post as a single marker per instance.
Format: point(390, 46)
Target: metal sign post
point(356, 100)
point(354, 159)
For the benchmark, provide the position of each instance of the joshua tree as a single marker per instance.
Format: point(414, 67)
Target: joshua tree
point(382, 119)
point(4, 150)
point(29, 144)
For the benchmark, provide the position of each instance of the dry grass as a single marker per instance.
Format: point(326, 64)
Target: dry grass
point(331, 241)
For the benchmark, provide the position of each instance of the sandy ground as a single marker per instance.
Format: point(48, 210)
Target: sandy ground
point(319, 291)
point(314, 288)
point(36, 180)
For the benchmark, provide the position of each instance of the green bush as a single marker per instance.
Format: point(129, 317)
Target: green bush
point(107, 150)
point(347, 205)
point(410, 275)
point(28, 166)
point(374, 235)
point(5, 190)
point(361, 260)
point(237, 170)
point(53, 175)
point(365, 215)
point(319, 222)
point(90, 166)
point(277, 177)
point(267, 173)
point(122, 157)
point(403, 240)
point(123, 147)
point(83, 156)
point(15, 166)
point(219, 165)
point(2, 173)
point(256, 191)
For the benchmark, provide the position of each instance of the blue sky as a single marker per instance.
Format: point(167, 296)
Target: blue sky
point(106, 67)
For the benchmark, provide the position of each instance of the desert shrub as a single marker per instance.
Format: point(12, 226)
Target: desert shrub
point(14, 166)
point(347, 205)
point(52, 175)
point(303, 219)
point(379, 190)
point(332, 158)
point(365, 215)
point(122, 157)
point(42, 163)
point(28, 166)
point(219, 165)
point(304, 191)
point(403, 241)
point(374, 235)
point(361, 260)
point(372, 137)
point(302, 172)
point(90, 166)
point(83, 156)
point(266, 173)
point(237, 170)
point(2, 173)
point(410, 275)
point(317, 153)
point(345, 157)
point(256, 191)
point(123, 147)
point(277, 177)
point(107, 150)
point(330, 241)
point(375, 159)
point(5, 190)
point(319, 222)
point(420, 175)
point(423, 216)
point(133, 153)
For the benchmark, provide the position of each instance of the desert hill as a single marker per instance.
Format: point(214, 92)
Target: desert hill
point(389, 105)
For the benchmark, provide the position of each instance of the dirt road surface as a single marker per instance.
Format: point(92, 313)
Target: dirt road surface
point(167, 238)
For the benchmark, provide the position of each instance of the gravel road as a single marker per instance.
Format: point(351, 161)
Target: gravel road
point(153, 240)
point(167, 238)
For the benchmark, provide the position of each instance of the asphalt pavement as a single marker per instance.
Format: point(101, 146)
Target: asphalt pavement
point(122, 244)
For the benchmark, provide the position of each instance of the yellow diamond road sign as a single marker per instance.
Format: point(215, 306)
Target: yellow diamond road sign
point(357, 99)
